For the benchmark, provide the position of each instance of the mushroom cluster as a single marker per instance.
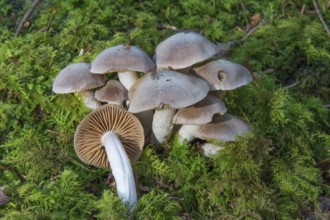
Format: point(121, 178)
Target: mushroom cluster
point(178, 87)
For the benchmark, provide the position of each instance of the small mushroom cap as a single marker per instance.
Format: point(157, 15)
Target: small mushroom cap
point(113, 91)
point(224, 74)
point(3, 198)
point(201, 112)
point(108, 118)
point(167, 88)
point(77, 78)
point(182, 50)
point(122, 58)
point(223, 127)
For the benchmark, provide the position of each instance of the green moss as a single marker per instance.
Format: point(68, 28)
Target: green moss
point(266, 175)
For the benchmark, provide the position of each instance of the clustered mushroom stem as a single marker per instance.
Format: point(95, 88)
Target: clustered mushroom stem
point(121, 169)
point(162, 124)
point(187, 132)
point(127, 78)
point(89, 100)
point(117, 104)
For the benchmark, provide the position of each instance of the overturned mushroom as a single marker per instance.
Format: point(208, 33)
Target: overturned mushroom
point(112, 137)
point(124, 59)
point(165, 92)
point(77, 78)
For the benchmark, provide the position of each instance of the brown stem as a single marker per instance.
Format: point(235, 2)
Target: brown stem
point(253, 30)
point(320, 17)
point(13, 170)
point(27, 16)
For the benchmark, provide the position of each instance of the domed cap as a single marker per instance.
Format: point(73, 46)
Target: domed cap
point(167, 88)
point(122, 58)
point(77, 78)
point(113, 91)
point(88, 137)
point(201, 112)
point(223, 127)
point(182, 50)
point(224, 74)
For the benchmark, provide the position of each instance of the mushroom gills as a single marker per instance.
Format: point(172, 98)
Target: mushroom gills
point(121, 169)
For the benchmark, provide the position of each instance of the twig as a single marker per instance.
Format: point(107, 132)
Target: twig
point(167, 27)
point(253, 30)
point(13, 170)
point(302, 10)
point(27, 16)
point(320, 16)
point(292, 85)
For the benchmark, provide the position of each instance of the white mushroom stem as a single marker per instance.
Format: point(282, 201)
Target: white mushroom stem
point(118, 104)
point(210, 150)
point(187, 132)
point(127, 79)
point(89, 100)
point(162, 124)
point(121, 169)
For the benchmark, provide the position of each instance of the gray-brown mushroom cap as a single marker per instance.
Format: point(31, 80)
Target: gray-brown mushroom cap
point(167, 88)
point(108, 118)
point(182, 50)
point(201, 112)
point(224, 74)
point(223, 127)
point(122, 58)
point(77, 78)
point(3, 197)
point(113, 91)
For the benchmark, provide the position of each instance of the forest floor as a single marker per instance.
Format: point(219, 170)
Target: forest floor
point(278, 171)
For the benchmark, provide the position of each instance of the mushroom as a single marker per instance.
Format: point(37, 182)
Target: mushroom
point(224, 75)
point(193, 117)
point(183, 50)
point(124, 59)
point(167, 91)
point(78, 78)
point(112, 137)
point(112, 93)
point(223, 127)
point(3, 198)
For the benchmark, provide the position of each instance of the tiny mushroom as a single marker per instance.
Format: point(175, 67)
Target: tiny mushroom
point(183, 50)
point(3, 198)
point(78, 78)
point(124, 59)
point(193, 117)
point(112, 137)
point(167, 91)
point(224, 75)
point(112, 93)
